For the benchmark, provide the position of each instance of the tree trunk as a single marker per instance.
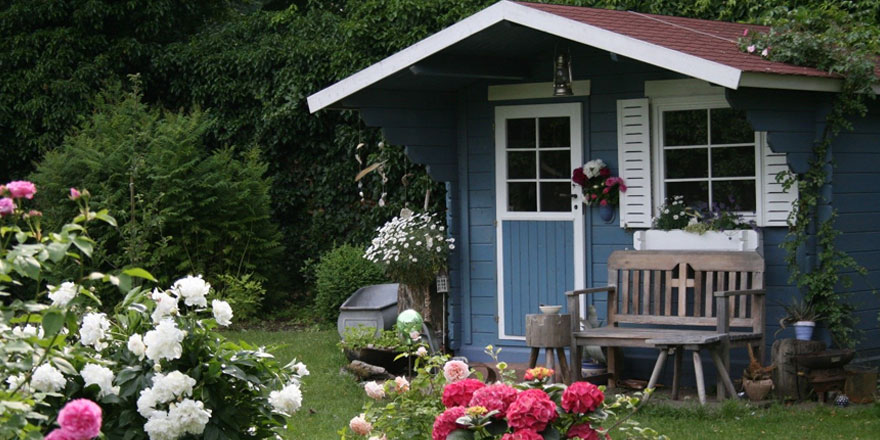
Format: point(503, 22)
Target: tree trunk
point(427, 302)
point(789, 378)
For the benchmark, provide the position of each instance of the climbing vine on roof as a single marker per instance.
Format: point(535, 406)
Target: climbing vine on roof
point(842, 39)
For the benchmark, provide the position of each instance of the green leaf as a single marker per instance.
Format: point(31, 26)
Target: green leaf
point(85, 245)
point(460, 434)
point(105, 217)
point(65, 366)
point(57, 250)
point(53, 320)
point(140, 273)
point(551, 433)
point(91, 295)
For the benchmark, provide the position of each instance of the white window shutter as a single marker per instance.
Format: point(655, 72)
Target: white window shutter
point(776, 200)
point(634, 162)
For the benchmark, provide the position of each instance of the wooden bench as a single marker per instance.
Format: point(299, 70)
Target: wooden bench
point(674, 295)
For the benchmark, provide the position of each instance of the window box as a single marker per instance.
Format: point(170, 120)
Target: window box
point(743, 240)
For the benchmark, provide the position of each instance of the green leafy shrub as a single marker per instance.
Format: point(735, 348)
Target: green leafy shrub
point(338, 274)
point(244, 293)
point(356, 338)
point(181, 208)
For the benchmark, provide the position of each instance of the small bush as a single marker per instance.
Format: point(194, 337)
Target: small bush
point(244, 293)
point(338, 274)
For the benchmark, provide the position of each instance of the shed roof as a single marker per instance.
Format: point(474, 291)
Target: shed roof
point(703, 49)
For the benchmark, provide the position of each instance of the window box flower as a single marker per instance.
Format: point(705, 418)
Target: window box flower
point(745, 240)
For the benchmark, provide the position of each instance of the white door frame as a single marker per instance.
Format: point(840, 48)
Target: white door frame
point(576, 216)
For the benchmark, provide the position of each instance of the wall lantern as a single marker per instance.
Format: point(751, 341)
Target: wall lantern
point(562, 74)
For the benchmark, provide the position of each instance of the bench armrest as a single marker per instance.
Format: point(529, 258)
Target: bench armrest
point(592, 290)
point(729, 293)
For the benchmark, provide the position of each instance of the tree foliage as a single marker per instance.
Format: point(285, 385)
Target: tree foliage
point(181, 208)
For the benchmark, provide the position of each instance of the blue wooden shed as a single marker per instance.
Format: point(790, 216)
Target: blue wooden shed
point(671, 104)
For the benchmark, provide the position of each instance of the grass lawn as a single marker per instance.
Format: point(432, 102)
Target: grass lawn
point(331, 399)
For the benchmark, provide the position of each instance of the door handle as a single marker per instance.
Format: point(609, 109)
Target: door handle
point(573, 196)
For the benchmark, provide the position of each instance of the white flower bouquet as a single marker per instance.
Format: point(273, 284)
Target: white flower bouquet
point(412, 248)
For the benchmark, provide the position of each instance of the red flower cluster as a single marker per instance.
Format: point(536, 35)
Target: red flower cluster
point(445, 423)
point(582, 398)
point(532, 409)
point(495, 397)
point(524, 434)
point(460, 393)
point(583, 431)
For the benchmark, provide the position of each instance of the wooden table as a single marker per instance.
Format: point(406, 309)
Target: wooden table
point(694, 342)
point(550, 332)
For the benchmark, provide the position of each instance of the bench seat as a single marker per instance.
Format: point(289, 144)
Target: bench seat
point(640, 337)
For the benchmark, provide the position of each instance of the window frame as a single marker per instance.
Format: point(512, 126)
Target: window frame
point(675, 103)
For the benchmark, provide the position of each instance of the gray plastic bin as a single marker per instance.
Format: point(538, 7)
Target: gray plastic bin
point(372, 306)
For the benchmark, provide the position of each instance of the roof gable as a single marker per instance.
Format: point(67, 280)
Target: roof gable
point(701, 49)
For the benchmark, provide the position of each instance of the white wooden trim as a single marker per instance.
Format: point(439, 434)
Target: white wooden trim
point(790, 82)
point(681, 88)
point(574, 111)
point(534, 90)
point(504, 10)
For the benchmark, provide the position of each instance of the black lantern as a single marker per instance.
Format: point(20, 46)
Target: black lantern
point(562, 74)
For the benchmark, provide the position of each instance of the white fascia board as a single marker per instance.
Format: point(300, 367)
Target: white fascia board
point(576, 31)
point(690, 65)
point(790, 82)
point(408, 56)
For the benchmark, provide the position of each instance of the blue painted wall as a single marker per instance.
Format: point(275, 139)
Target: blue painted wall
point(452, 132)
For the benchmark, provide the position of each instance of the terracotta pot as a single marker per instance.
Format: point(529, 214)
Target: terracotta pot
point(757, 390)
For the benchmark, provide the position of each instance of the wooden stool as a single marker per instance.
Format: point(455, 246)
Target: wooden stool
point(695, 343)
point(550, 332)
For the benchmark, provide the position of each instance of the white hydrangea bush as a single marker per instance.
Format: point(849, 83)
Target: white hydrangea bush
point(155, 363)
point(411, 247)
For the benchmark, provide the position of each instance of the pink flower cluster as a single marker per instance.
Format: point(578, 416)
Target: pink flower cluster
point(80, 419)
point(524, 434)
point(17, 189)
point(445, 423)
point(460, 393)
point(495, 397)
point(532, 409)
point(583, 431)
point(455, 371)
point(582, 398)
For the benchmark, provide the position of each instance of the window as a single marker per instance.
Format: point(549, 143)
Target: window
point(708, 153)
point(538, 157)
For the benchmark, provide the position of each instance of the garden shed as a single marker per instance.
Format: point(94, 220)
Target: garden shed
point(671, 104)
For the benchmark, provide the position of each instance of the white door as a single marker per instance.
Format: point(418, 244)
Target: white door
point(539, 211)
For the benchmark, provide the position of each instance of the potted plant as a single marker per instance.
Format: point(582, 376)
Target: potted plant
point(681, 227)
point(801, 315)
point(600, 187)
point(376, 347)
point(757, 382)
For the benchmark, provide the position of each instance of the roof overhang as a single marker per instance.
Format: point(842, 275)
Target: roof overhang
point(589, 35)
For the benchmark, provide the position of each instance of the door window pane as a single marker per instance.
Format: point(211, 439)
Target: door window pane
point(694, 193)
point(554, 132)
point(687, 163)
point(737, 195)
point(555, 196)
point(520, 164)
point(733, 162)
point(555, 164)
point(685, 127)
point(521, 133)
point(730, 126)
point(522, 196)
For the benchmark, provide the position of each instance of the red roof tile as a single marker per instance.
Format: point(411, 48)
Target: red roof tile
point(712, 40)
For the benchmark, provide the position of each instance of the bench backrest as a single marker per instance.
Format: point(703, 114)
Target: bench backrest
point(677, 288)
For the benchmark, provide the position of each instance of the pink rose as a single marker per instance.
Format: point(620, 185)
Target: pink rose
point(605, 191)
point(751, 48)
point(21, 189)
point(523, 434)
point(583, 431)
point(622, 188)
point(445, 423)
point(745, 32)
point(532, 409)
point(401, 385)
point(594, 196)
point(605, 172)
point(74, 194)
point(359, 425)
point(603, 202)
point(59, 434)
point(455, 371)
point(81, 418)
point(765, 52)
point(7, 206)
point(460, 393)
point(582, 398)
point(495, 397)
point(374, 390)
